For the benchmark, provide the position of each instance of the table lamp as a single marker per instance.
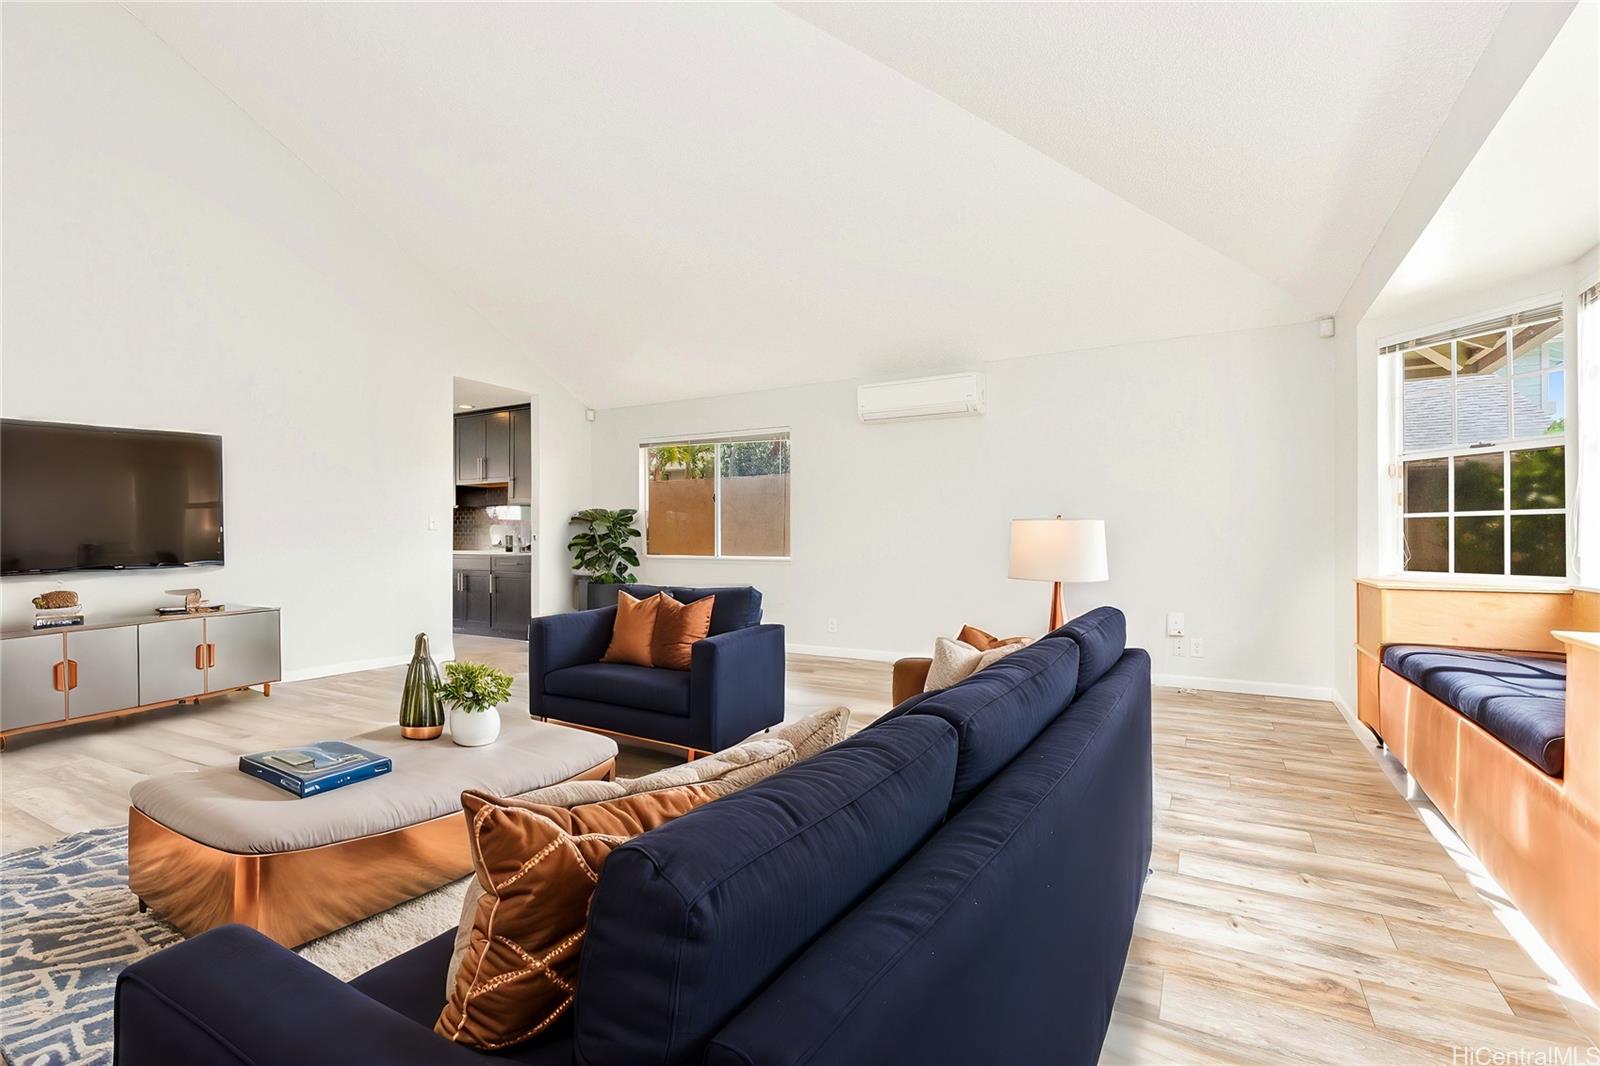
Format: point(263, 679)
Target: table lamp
point(1058, 549)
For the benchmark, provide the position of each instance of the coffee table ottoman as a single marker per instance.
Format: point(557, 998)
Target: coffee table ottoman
point(214, 846)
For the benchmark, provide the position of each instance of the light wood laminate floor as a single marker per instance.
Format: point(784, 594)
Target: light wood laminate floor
point(1300, 909)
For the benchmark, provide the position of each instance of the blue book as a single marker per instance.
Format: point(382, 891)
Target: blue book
point(315, 768)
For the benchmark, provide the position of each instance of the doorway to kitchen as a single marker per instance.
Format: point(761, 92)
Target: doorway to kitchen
point(494, 533)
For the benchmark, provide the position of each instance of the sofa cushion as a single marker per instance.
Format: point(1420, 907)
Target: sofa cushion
point(1102, 637)
point(644, 687)
point(678, 627)
point(412, 985)
point(998, 711)
point(1016, 912)
point(537, 866)
point(1520, 699)
point(632, 630)
point(691, 920)
point(737, 606)
point(726, 771)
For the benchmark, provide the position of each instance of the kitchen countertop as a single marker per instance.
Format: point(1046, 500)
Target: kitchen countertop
point(487, 551)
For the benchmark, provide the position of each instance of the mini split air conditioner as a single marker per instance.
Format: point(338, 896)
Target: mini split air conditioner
point(948, 394)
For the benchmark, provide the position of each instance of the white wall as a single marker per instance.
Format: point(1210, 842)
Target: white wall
point(170, 265)
point(1208, 457)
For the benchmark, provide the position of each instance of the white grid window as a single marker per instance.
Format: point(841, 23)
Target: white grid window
point(1482, 464)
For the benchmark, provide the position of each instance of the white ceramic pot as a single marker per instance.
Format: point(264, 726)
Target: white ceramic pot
point(474, 729)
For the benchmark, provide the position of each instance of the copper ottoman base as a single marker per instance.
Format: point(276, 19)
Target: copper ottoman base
point(296, 896)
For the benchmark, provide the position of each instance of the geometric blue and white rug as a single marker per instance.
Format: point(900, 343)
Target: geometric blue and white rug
point(68, 926)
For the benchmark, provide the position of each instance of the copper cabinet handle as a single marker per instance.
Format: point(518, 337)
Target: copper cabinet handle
point(72, 673)
point(211, 655)
point(199, 656)
point(58, 677)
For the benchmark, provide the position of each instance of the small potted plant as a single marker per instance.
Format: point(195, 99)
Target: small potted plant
point(473, 692)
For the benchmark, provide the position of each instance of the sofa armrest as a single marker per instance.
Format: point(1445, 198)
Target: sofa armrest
point(736, 684)
point(232, 995)
point(909, 677)
point(557, 641)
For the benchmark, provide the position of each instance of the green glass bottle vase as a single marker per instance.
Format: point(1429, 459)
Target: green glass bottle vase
point(421, 716)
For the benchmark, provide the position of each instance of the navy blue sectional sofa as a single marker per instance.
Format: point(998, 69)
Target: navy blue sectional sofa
point(956, 883)
point(733, 687)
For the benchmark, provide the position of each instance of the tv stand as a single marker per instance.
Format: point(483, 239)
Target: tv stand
point(112, 667)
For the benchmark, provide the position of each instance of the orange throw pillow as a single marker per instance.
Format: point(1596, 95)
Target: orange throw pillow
point(678, 626)
point(538, 867)
point(633, 630)
point(984, 641)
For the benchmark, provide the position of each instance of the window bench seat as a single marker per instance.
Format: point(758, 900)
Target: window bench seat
point(1490, 699)
point(1519, 699)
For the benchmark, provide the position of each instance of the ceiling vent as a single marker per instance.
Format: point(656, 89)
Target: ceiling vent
point(947, 394)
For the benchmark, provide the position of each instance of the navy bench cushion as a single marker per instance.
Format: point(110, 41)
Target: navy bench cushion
point(1000, 709)
point(692, 919)
point(665, 691)
point(1102, 637)
point(1520, 699)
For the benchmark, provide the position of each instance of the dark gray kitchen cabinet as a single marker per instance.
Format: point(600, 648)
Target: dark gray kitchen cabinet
point(488, 451)
point(511, 600)
point(469, 449)
point(520, 490)
point(472, 596)
point(497, 446)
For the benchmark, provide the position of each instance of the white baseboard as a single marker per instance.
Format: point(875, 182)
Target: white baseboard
point(330, 669)
point(827, 651)
point(1245, 687)
point(1205, 684)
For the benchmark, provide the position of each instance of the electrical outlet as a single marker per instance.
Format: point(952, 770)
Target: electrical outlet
point(1175, 624)
point(1176, 646)
point(833, 625)
point(1197, 647)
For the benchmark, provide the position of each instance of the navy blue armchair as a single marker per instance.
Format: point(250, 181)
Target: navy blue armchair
point(733, 687)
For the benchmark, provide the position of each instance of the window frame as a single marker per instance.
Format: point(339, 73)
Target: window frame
point(1393, 351)
point(717, 440)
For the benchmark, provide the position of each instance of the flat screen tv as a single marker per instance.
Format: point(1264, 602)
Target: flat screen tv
point(93, 498)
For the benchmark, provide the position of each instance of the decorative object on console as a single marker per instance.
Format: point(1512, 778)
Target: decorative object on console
point(57, 608)
point(421, 716)
point(604, 552)
point(473, 692)
point(315, 768)
point(1058, 549)
point(193, 603)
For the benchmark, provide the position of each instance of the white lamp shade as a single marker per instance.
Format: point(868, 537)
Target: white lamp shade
point(1058, 549)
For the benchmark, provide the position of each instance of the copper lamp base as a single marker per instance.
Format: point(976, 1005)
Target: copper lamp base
point(1058, 609)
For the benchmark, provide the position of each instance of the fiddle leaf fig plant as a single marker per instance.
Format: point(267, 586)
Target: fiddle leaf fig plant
point(604, 552)
point(473, 687)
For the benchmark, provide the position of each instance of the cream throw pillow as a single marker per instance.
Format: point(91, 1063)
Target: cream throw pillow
point(811, 734)
point(954, 661)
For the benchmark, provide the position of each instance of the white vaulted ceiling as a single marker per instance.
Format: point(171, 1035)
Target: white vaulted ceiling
point(1530, 198)
point(664, 201)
